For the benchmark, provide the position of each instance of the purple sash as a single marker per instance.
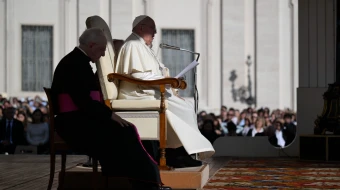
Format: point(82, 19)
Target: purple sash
point(66, 103)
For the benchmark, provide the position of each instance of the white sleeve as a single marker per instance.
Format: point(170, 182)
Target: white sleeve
point(146, 76)
point(149, 76)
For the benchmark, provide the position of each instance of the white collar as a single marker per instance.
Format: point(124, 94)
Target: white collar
point(141, 39)
point(161, 65)
point(255, 131)
point(82, 50)
point(280, 140)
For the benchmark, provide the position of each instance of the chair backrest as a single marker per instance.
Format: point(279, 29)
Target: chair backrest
point(51, 113)
point(106, 64)
point(117, 44)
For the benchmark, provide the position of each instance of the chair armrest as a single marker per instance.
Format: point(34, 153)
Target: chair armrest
point(174, 82)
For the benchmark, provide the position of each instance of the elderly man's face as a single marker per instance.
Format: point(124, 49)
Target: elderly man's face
point(97, 50)
point(148, 30)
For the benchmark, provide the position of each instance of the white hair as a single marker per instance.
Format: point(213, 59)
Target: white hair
point(95, 35)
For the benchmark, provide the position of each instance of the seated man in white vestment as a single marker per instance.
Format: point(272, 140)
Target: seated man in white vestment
point(137, 59)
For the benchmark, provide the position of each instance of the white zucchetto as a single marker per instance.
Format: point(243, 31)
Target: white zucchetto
point(138, 20)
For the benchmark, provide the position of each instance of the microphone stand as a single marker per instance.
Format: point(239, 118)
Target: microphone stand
point(195, 79)
point(196, 94)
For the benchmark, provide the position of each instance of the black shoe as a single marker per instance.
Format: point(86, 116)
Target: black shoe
point(88, 164)
point(139, 185)
point(165, 188)
point(183, 162)
point(176, 162)
point(190, 162)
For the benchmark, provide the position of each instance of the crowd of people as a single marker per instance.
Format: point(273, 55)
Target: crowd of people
point(33, 129)
point(28, 119)
point(278, 125)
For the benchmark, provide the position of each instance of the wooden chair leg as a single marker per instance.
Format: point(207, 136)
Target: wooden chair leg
point(95, 171)
point(162, 142)
point(52, 170)
point(63, 169)
point(95, 165)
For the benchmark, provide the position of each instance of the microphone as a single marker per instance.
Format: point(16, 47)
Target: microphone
point(167, 46)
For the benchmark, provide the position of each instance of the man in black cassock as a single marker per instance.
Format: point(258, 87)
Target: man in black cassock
point(89, 126)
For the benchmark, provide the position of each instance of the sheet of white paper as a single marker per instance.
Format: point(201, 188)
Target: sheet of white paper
point(188, 68)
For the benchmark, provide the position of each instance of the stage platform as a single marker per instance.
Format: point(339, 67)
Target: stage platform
point(181, 178)
point(23, 172)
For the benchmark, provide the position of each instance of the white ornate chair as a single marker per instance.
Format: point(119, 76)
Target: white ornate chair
point(147, 115)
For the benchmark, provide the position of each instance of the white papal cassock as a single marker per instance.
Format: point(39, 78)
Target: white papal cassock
point(138, 60)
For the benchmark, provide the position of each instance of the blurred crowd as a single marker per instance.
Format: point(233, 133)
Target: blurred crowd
point(28, 120)
point(278, 125)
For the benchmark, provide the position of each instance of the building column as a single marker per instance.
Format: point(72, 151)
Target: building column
point(212, 64)
point(71, 35)
point(235, 20)
point(287, 51)
point(9, 48)
point(62, 29)
point(3, 46)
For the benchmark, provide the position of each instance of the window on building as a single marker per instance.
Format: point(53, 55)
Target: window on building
point(37, 57)
point(176, 61)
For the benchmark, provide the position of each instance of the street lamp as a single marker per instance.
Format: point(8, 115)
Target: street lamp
point(250, 100)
